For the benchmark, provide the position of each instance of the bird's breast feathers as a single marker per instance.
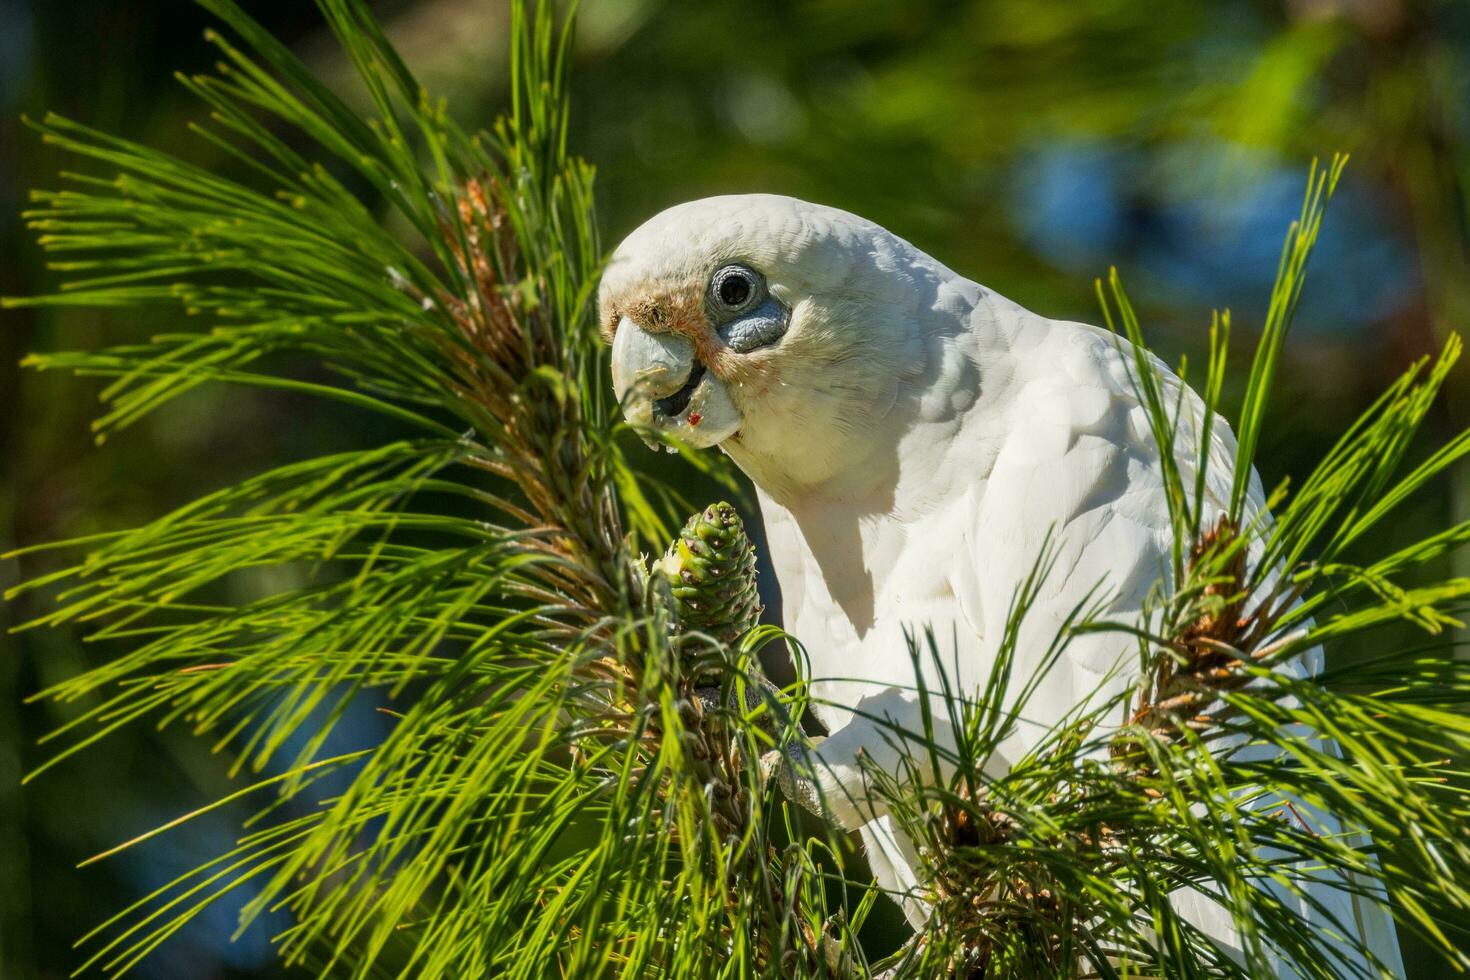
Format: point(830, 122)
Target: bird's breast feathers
point(1047, 447)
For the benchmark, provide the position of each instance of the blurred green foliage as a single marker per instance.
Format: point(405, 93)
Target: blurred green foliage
point(1027, 145)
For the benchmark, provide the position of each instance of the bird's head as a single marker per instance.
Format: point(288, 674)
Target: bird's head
point(768, 326)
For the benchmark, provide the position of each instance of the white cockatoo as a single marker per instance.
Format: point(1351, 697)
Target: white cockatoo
point(914, 439)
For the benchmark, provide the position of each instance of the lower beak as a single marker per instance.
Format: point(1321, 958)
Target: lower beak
point(648, 368)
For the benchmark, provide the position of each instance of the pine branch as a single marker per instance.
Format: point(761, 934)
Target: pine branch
point(550, 791)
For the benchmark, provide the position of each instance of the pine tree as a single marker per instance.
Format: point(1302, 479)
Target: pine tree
point(559, 792)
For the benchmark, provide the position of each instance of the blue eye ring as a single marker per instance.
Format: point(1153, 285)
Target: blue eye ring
point(736, 288)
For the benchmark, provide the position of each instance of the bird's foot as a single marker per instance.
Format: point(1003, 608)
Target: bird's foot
point(791, 767)
point(759, 693)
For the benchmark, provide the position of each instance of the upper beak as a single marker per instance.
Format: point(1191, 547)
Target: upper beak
point(647, 367)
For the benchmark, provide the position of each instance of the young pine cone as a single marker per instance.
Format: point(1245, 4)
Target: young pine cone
point(710, 569)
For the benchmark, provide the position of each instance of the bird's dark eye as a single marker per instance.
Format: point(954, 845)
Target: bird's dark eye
point(735, 288)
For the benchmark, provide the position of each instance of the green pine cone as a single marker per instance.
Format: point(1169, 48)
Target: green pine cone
point(710, 569)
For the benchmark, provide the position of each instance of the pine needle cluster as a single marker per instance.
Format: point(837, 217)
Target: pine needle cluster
point(552, 794)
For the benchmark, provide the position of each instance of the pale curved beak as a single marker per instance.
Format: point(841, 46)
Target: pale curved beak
point(647, 367)
point(663, 386)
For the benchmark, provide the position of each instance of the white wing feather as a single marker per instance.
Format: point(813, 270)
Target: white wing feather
point(1078, 467)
